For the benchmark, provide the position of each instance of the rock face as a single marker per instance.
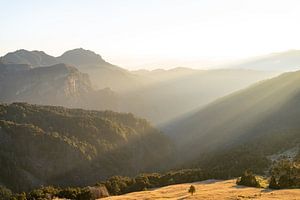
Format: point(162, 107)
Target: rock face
point(55, 85)
point(102, 73)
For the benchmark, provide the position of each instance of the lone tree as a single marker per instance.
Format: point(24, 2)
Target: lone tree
point(192, 190)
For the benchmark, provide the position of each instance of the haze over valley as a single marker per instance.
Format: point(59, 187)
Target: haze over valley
point(149, 100)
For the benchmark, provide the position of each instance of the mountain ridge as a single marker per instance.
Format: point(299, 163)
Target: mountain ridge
point(258, 121)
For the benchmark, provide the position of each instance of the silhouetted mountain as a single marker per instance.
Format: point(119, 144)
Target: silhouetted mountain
point(239, 131)
point(44, 145)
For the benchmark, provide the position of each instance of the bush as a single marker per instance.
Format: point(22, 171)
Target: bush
point(192, 190)
point(248, 179)
point(285, 174)
point(75, 193)
point(5, 194)
point(273, 183)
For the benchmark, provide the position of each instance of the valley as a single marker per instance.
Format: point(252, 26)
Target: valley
point(147, 100)
point(143, 130)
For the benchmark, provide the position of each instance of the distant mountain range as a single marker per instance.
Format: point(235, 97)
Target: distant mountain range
point(158, 95)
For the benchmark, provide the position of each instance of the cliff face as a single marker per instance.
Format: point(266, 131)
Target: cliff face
point(59, 84)
point(101, 73)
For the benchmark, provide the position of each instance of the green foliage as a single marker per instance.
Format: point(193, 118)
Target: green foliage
point(43, 193)
point(56, 145)
point(75, 193)
point(285, 174)
point(48, 193)
point(248, 179)
point(192, 189)
point(5, 194)
point(21, 196)
point(273, 183)
point(120, 185)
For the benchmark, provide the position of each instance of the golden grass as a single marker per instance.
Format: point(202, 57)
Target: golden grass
point(211, 190)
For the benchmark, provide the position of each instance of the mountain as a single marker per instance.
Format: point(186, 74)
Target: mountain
point(244, 129)
point(102, 73)
point(58, 84)
point(46, 145)
point(158, 95)
point(175, 92)
point(31, 58)
point(281, 61)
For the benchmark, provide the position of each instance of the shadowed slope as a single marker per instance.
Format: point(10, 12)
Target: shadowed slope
point(44, 145)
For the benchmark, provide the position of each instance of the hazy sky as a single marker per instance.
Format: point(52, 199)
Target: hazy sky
point(154, 33)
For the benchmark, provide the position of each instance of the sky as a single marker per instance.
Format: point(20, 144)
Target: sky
point(152, 33)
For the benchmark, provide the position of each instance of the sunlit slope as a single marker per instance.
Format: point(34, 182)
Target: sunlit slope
point(177, 91)
point(158, 95)
point(212, 190)
point(264, 114)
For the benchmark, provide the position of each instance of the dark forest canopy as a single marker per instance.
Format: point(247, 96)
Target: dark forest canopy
point(42, 145)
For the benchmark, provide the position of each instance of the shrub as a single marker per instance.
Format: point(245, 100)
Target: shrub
point(248, 179)
point(5, 194)
point(192, 190)
point(273, 183)
point(287, 173)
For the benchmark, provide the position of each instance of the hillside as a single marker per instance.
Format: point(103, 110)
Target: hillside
point(172, 93)
point(58, 84)
point(55, 84)
point(44, 145)
point(213, 190)
point(258, 121)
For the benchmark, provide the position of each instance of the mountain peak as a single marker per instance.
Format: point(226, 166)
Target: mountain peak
point(32, 58)
point(80, 56)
